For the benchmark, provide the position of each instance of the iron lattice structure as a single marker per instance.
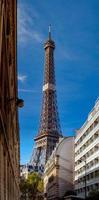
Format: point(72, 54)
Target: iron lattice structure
point(49, 131)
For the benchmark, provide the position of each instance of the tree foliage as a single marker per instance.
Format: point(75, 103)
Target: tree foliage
point(31, 187)
point(69, 192)
point(93, 195)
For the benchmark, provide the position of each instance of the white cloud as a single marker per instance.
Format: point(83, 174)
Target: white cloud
point(22, 78)
point(26, 90)
point(27, 19)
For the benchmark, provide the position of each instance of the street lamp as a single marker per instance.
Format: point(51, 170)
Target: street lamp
point(84, 160)
point(19, 102)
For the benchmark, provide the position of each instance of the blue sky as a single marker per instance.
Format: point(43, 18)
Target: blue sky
point(75, 30)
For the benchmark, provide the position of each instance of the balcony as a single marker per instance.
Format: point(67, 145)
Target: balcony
point(91, 145)
point(92, 132)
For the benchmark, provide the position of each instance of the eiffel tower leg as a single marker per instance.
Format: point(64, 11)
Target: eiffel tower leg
point(38, 159)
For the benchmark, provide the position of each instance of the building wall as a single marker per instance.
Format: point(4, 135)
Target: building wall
point(58, 174)
point(66, 163)
point(51, 184)
point(9, 130)
point(87, 154)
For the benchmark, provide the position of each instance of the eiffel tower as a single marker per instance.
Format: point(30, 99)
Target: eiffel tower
point(49, 130)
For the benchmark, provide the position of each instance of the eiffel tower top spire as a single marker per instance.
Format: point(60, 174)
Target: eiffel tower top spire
point(49, 43)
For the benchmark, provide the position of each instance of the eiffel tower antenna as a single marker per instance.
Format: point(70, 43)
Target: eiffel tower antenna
point(50, 32)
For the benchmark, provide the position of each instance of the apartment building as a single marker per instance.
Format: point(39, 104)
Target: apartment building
point(87, 154)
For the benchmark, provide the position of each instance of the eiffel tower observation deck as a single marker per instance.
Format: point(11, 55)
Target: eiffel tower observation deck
point(49, 130)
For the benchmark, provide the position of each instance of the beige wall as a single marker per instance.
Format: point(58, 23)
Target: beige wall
point(58, 175)
point(66, 162)
point(9, 131)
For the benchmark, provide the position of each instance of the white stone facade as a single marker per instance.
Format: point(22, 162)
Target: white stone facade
point(25, 170)
point(58, 174)
point(87, 154)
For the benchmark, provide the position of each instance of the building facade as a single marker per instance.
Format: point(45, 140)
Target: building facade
point(49, 131)
point(9, 130)
point(58, 173)
point(25, 170)
point(87, 154)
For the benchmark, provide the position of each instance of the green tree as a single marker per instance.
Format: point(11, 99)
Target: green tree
point(93, 195)
point(32, 187)
point(23, 189)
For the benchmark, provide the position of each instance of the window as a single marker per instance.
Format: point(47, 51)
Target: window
point(8, 26)
point(51, 178)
